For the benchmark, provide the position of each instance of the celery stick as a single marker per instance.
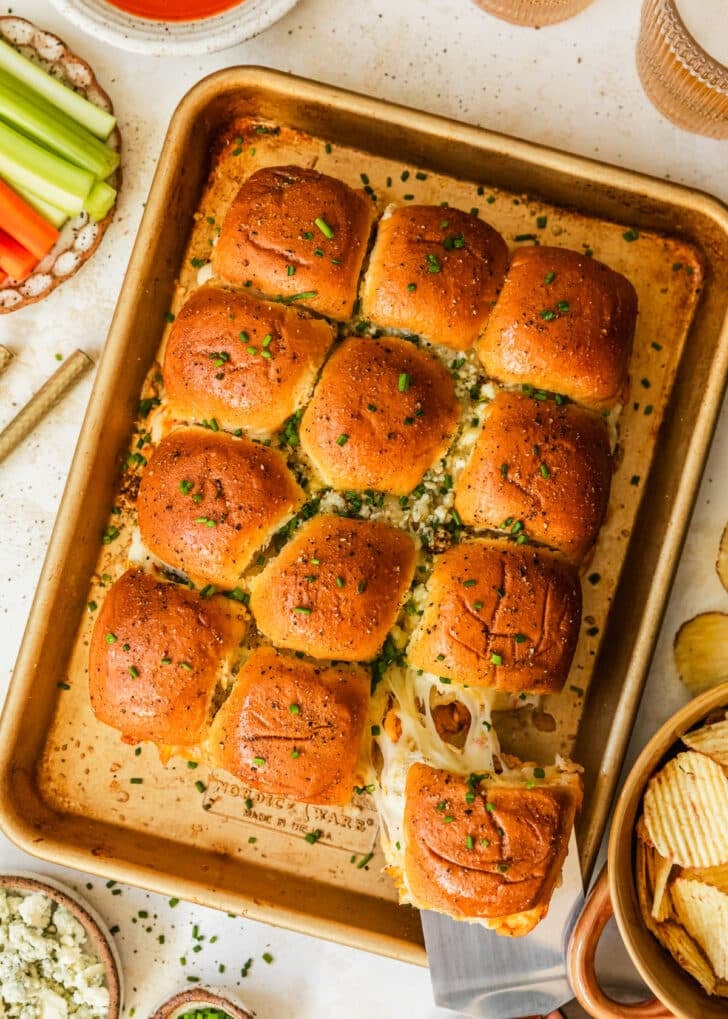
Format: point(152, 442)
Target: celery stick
point(25, 164)
point(47, 125)
point(94, 119)
point(100, 200)
point(57, 217)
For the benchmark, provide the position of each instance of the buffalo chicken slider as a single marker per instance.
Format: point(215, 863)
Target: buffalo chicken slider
point(434, 271)
point(158, 652)
point(242, 362)
point(298, 235)
point(564, 323)
point(208, 501)
point(500, 615)
point(292, 728)
point(336, 588)
point(488, 847)
point(382, 414)
point(540, 467)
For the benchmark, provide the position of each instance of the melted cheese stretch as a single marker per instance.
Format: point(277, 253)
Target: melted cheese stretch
point(412, 696)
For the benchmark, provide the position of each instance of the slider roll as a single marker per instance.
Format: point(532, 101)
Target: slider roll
point(242, 362)
point(488, 847)
point(336, 589)
point(209, 501)
point(500, 615)
point(563, 323)
point(291, 728)
point(297, 235)
point(158, 651)
point(434, 271)
point(383, 413)
point(544, 465)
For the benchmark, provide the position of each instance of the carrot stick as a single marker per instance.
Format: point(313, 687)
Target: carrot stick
point(25, 224)
point(15, 260)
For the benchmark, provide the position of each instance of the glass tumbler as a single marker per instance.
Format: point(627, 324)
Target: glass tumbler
point(683, 80)
point(535, 13)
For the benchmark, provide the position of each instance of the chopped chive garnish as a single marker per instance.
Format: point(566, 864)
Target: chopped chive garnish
point(111, 638)
point(504, 469)
point(477, 606)
point(433, 263)
point(469, 842)
point(403, 383)
point(545, 472)
point(539, 773)
point(324, 227)
point(496, 659)
point(186, 666)
point(259, 762)
point(630, 235)
point(547, 314)
point(290, 270)
point(541, 222)
point(361, 587)
point(302, 610)
point(342, 439)
point(469, 583)
point(133, 672)
point(563, 306)
point(313, 836)
point(411, 287)
point(520, 638)
point(135, 781)
point(375, 730)
point(200, 786)
point(295, 709)
point(549, 278)
point(340, 581)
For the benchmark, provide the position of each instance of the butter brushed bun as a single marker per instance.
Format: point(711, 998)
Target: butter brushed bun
point(335, 589)
point(244, 362)
point(565, 323)
point(485, 847)
point(291, 217)
point(500, 615)
point(547, 466)
point(382, 414)
point(157, 653)
point(434, 271)
point(208, 501)
point(291, 728)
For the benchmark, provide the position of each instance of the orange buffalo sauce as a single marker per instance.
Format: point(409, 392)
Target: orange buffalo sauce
point(173, 10)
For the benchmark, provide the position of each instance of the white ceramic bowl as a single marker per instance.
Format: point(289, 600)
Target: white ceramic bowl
point(174, 38)
point(199, 997)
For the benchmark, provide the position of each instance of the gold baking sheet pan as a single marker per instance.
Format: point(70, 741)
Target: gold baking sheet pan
point(67, 790)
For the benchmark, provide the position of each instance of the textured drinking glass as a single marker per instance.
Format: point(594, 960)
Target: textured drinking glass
point(686, 83)
point(535, 13)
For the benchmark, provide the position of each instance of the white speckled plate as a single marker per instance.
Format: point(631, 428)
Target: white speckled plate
point(174, 38)
point(80, 236)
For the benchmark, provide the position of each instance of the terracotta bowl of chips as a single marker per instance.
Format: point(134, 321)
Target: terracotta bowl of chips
point(630, 868)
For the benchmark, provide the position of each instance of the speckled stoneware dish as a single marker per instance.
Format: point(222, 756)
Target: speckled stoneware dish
point(80, 236)
point(199, 997)
point(174, 38)
point(100, 940)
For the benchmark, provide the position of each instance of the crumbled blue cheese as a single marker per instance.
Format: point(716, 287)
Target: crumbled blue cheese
point(46, 970)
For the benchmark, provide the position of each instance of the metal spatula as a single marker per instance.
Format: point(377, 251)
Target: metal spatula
point(479, 973)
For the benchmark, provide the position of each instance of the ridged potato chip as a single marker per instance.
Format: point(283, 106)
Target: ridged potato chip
point(644, 887)
point(711, 740)
point(721, 563)
point(701, 651)
point(661, 871)
point(686, 811)
point(686, 953)
point(716, 876)
point(703, 912)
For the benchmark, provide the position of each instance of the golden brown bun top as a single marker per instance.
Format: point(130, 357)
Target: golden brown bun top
point(383, 413)
point(157, 651)
point(271, 227)
point(477, 849)
point(501, 615)
point(244, 362)
point(208, 501)
point(292, 728)
point(565, 323)
point(435, 272)
point(545, 465)
point(336, 588)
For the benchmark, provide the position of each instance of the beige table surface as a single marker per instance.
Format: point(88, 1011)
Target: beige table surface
point(572, 86)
